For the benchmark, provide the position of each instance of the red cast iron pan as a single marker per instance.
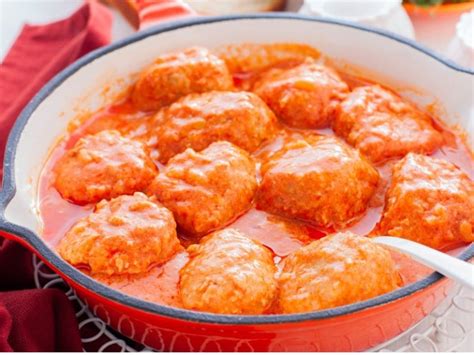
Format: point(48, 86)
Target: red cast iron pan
point(353, 327)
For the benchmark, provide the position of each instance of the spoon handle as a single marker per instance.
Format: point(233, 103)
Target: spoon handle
point(456, 269)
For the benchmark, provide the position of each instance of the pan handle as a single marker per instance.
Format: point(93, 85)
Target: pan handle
point(10, 230)
point(14, 232)
point(157, 12)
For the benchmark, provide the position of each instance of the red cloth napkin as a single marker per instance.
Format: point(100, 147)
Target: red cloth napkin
point(40, 320)
point(40, 52)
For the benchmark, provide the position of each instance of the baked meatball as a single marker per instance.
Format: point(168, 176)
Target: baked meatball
point(254, 57)
point(429, 201)
point(305, 96)
point(383, 126)
point(319, 179)
point(196, 121)
point(103, 166)
point(228, 273)
point(207, 190)
point(336, 270)
point(126, 235)
point(172, 76)
point(247, 61)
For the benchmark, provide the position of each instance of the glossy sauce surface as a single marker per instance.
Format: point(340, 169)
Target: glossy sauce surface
point(281, 235)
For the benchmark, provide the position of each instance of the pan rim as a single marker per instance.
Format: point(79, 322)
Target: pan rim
point(31, 238)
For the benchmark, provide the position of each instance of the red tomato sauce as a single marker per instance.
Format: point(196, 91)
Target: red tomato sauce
point(281, 235)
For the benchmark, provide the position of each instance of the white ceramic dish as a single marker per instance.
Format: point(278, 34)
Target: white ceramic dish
point(385, 14)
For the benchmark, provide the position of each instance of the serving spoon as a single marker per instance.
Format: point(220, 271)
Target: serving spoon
point(456, 269)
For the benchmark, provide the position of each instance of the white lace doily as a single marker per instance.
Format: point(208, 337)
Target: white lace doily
point(450, 327)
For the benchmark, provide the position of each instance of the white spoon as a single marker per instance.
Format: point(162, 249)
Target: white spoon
point(456, 269)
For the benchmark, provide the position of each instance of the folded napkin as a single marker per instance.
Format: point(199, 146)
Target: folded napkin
point(40, 320)
point(37, 320)
point(40, 52)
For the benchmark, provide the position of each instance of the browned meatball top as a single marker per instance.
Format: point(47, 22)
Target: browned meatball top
point(336, 270)
point(103, 166)
point(384, 126)
point(126, 235)
point(319, 179)
point(305, 96)
point(196, 121)
point(247, 61)
point(194, 70)
point(228, 273)
point(430, 201)
point(207, 189)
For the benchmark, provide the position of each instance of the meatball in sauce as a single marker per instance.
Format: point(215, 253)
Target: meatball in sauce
point(384, 126)
point(175, 75)
point(430, 201)
point(228, 273)
point(103, 166)
point(196, 121)
point(126, 235)
point(318, 179)
point(336, 270)
point(248, 61)
point(206, 190)
point(303, 97)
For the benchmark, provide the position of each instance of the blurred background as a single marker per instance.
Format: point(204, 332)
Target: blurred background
point(445, 26)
